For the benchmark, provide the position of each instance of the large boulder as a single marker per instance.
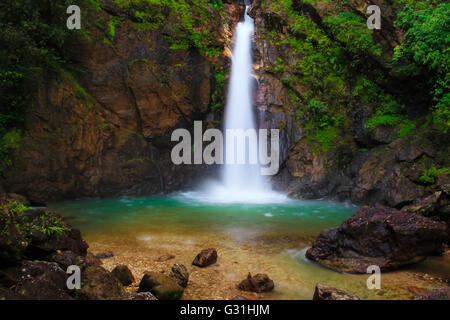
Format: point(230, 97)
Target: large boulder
point(161, 286)
point(99, 284)
point(69, 239)
point(205, 258)
point(65, 259)
point(34, 234)
point(380, 236)
point(42, 281)
point(258, 283)
point(12, 243)
point(123, 274)
point(328, 293)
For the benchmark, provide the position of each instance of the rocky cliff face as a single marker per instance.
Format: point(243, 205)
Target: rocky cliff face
point(103, 126)
point(310, 66)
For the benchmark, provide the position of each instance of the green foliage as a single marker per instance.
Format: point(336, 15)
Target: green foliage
point(429, 175)
point(279, 66)
point(32, 45)
point(405, 128)
point(425, 53)
point(217, 97)
point(326, 137)
point(382, 120)
point(33, 36)
point(113, 22)
point(351, 30)
point(150, 14)
point(190, 21)
point(217, 4)
point(45, 223)
point(15, 207)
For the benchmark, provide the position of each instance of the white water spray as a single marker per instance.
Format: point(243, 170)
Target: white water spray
point(240, 183)
point(239, 114)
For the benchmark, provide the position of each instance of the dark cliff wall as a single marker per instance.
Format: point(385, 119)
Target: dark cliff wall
point(102, 125)
point(353, 127)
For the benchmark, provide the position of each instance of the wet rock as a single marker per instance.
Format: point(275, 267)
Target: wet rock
point(142, 296)
point(328, 293)
point(180, 275)
point(101, 158)
point(99, 284)
point(446, 189)
point(19, 198)
point(258, 283)
point(12, 242)
point(8, 294)
point(65, 259)
point(205, 258)
point(91, 260)
point(380, 236)
point(410, 152)
point(417, 291)
point(256, 4)
point(70, 239)
point(42, 281)
point(123, 274)
point(34, 234)
point(104, 255)
point(426, 207)
point(435, 294)
point(166, 257)
point(382, 134)
point(379, 179)
point(161, 286)
point(7, 278)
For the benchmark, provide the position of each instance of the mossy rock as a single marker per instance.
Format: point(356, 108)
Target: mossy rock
point(161, 286)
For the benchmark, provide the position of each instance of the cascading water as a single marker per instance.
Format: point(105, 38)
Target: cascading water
point(242, 183)
point(239, 114)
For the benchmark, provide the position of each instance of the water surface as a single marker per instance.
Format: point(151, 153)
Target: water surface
point(258, 238)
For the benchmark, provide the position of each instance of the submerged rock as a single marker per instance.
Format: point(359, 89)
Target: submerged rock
point(258, 283)
point(180, 275)
point(379, 236)
point(161, 286)
point(205, 258)
point(123, 274)
point(166, 257)
point(104, 255)
point(328, 293)
point(418, 291)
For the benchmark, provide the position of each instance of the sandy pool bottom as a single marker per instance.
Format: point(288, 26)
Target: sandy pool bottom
point(281, 257)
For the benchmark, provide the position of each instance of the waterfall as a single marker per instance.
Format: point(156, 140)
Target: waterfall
point(239, 114)
point(240, 182)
